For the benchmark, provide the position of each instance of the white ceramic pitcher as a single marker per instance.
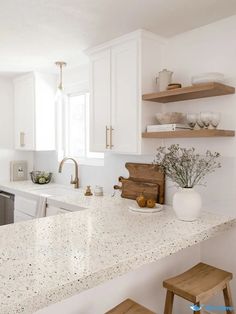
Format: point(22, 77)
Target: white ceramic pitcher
point(164, 79)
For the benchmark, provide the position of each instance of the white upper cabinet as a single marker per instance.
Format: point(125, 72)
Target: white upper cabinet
point(24, 111)
point(100, 98)
point(120, 72)
point(125, 97)
point(34, 100)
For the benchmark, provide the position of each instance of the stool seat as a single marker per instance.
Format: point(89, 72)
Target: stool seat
point(198, 283)
point(129, 307)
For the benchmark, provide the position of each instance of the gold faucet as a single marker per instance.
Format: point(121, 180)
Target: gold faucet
point(74, 181)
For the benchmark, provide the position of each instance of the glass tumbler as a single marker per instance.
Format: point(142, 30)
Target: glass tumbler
point(215, 119)
point(199, 121)
point(192, 120)
point(205, 117)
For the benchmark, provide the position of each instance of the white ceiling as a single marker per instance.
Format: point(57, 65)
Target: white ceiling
point(35, 33)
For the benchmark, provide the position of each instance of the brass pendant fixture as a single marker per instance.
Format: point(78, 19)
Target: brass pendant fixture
point(60, 64)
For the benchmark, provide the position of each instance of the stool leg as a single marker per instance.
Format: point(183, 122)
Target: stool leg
point(169, 302)
point(228, 298)
point(197, 312)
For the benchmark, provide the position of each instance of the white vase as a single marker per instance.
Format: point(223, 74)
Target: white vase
point(187, 204)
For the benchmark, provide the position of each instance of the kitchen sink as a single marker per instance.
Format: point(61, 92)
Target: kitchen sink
point(55, 191)
point(60, 197)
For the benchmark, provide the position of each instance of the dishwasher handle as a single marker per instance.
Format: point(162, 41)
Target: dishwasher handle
point(5, 195)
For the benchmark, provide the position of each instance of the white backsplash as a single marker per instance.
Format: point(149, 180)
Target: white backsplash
point(218, 193)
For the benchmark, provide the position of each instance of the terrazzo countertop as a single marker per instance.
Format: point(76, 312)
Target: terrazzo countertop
point(46, 260)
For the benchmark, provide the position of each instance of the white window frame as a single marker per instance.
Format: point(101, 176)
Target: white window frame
point(78, 89)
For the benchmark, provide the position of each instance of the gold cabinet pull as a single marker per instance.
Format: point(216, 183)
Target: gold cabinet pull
point(22, 139)
point(107, 129)
point(111, 144)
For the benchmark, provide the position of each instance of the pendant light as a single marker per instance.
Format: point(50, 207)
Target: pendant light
point(61, 104)
point(60, 96)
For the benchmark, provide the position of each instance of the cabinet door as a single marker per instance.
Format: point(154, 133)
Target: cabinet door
point(100, 101)
point(125, 97)
point(26, 205)
point(24, 99)
point(19, 216)
point(45, 138)
point(52, 211)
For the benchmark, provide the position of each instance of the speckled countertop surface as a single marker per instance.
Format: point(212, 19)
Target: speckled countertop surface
point(46, 260)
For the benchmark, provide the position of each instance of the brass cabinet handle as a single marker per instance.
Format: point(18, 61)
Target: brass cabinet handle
point(111, 129)
point(22, 139)
point(107, 129)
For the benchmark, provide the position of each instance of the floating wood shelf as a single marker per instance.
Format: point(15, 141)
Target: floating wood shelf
point(189, 133)
point(190, 92)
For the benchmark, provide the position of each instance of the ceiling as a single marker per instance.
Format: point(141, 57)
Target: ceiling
point(35, 33)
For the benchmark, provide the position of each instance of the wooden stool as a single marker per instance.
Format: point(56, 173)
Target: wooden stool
point(129, 307)
point(197, 285)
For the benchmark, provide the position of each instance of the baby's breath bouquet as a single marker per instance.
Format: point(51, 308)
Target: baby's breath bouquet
point(184, 166)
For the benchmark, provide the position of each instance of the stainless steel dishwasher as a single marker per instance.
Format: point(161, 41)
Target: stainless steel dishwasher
point(6, 208)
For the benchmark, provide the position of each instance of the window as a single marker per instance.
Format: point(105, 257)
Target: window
point(75, 130)
point(75, 135)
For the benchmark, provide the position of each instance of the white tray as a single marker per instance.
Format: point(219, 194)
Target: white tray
point(147, 210)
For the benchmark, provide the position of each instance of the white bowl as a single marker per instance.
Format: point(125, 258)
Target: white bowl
point(207, 78)
point(171, 117)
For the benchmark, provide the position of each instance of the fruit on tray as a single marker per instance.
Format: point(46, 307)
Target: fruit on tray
point(141, 200)
point(151, 203)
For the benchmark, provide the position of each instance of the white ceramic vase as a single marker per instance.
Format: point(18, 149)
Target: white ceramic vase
point(187, 204)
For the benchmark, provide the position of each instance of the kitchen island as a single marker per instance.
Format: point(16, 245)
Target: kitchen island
point(46, 260)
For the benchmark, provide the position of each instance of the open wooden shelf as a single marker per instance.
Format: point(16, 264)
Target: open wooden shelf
point(190, 92)
point(189, 133)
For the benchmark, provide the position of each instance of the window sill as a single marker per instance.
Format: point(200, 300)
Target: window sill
point(91, 161)
point(99, 162)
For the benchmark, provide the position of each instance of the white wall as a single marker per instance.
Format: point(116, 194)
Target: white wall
point(206, 49)
point(7, 152)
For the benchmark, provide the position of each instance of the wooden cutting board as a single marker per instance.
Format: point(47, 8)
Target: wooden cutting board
point(146, 178)
point(132, 189)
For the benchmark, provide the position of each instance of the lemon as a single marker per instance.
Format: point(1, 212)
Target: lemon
point(42, 180)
